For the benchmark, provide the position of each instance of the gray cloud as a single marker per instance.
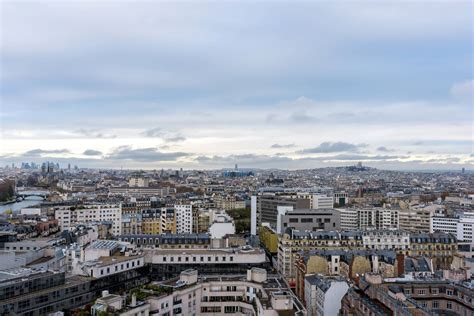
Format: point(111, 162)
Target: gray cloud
point(92, 152)
point(279, 160)
point(153, 132)
point(302, 117)
point(93, 133)
point(443, 160)
point(244, 159)
point(329, 147)
point(175, 139)
point(167, 136)
point(283, 145)
point(144, 154)
point(384, 149)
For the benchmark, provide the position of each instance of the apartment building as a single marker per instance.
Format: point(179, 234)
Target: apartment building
point(184, 219)
point(439, 246)
point(341, 198)
point(307, 219)
point(460, 225)
point(347, 264)
point(170, 262)
point(323, 296)
point(370, 297)
point(159, 220)
point(349, 218)
point(386, 239)
point(138, 181)
point(378, 218)
point(169, 241)
point(443, 297)
point(254, 293)
point(264, 208)
point(228, 203)
point(416, 217)
point(69, 217)
point(131, 223)
point(294, 241)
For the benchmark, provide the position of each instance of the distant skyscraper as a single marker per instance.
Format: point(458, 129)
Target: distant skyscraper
point(463, 170)
point(236, 166)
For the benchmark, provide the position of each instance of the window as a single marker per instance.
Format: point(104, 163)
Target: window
point(449, 292)
point(435, 304)
point(449, 305)
point(435, 291)
point(293, 220)
point(421, 292)
point(164, 259)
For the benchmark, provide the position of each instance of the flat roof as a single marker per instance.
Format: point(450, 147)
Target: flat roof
point(103, 244)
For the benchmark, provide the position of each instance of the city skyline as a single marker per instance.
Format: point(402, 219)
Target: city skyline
point(203, 86)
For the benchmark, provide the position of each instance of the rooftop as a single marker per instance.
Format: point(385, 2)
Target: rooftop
point(103, 244)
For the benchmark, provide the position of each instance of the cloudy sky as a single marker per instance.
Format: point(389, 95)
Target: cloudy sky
point(138, 84)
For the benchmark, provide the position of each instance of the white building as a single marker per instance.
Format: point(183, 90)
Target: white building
point(317, 201)
point(253, 215)
point(461, 225)
point(205, 256)
point(386, 239)
point(323, 296)
point(255, 294)
point(349, 218)
point(103, 258)
point(416, 217)
point(184, 218)
point(341, 198)
point(221, 224)
point(140, 182)
point(378, 218)
point(68, 218)
point(111, 265)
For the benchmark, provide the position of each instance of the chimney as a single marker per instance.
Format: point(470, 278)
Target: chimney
point(400, 264)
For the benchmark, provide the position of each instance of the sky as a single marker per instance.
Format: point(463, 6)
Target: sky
point(204, 85)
